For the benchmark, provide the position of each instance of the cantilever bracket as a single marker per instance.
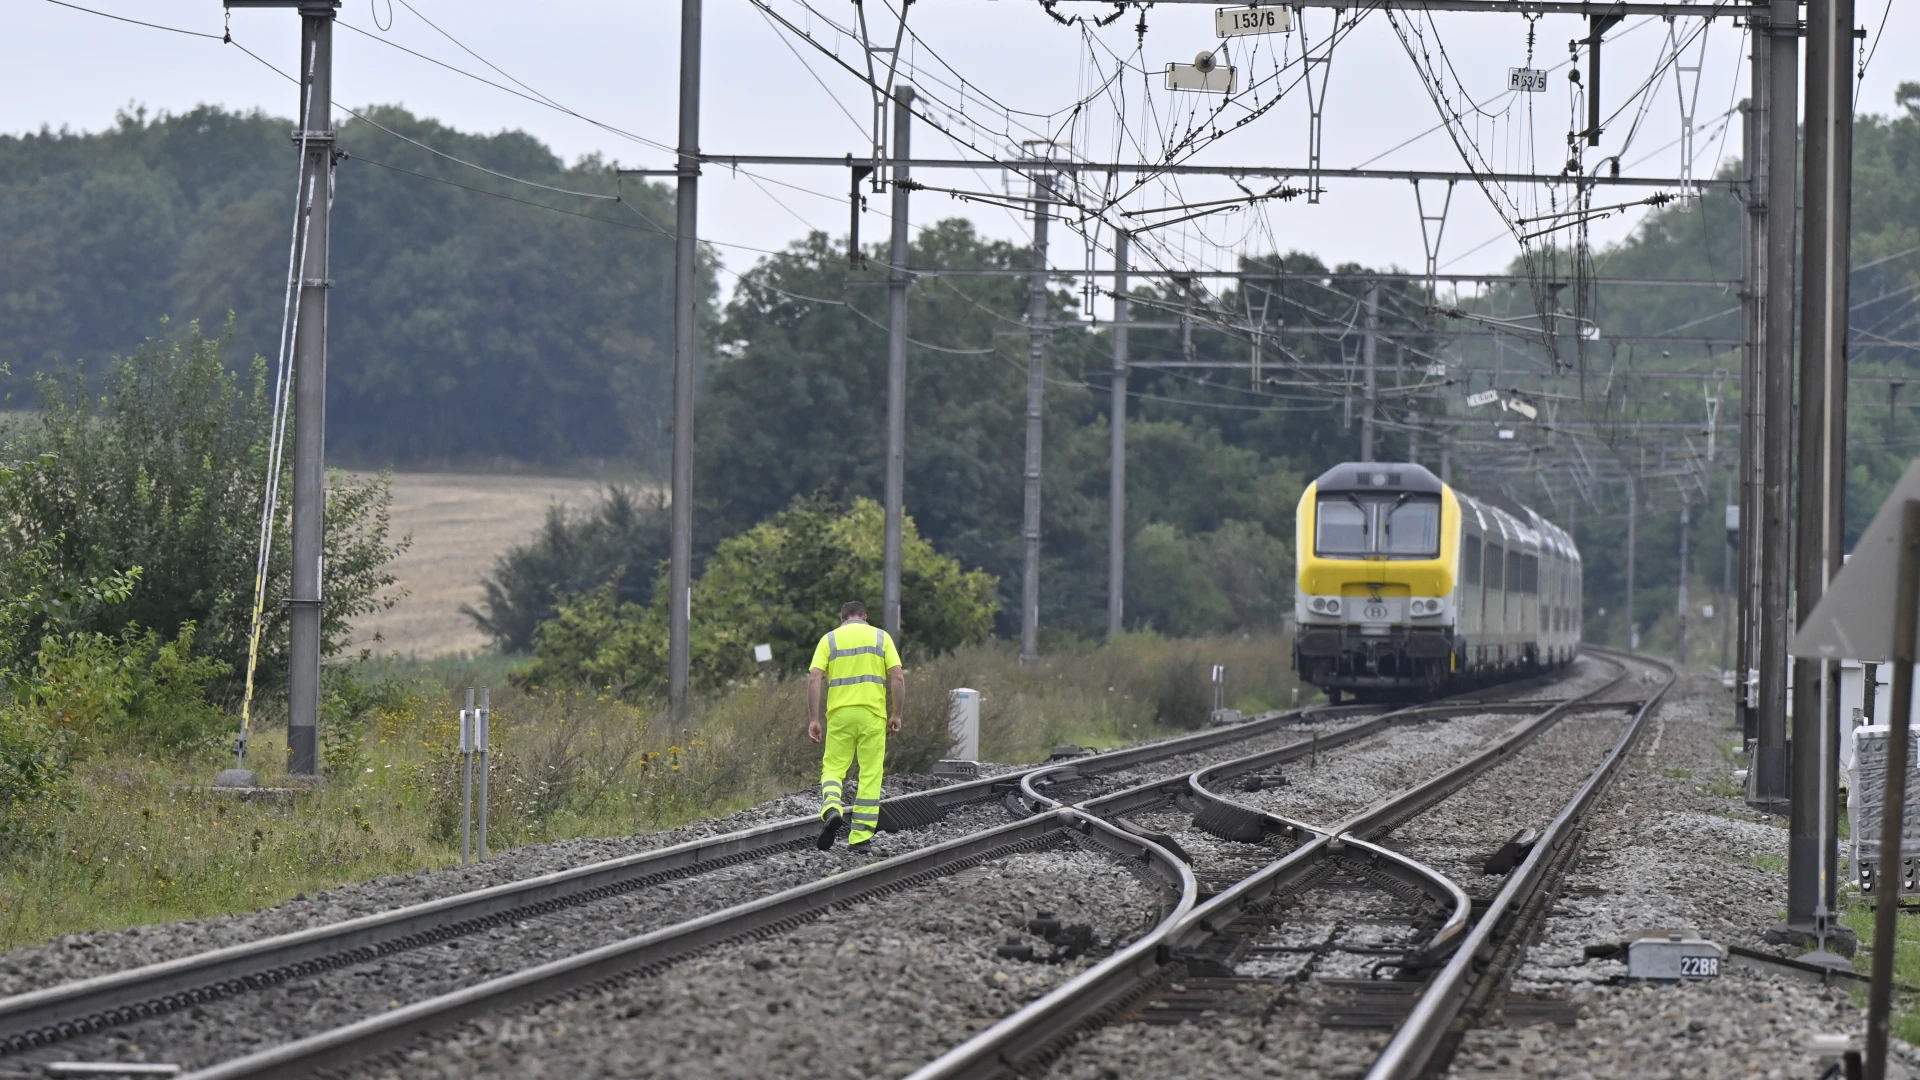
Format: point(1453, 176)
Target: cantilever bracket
point(1316, 96)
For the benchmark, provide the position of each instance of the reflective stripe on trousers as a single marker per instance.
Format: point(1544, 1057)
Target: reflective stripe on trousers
point(855, 734)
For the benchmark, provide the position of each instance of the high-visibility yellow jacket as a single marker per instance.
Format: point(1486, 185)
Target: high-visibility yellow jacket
point(856, 658)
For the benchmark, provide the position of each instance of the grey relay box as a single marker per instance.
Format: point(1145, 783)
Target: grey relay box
point(1669, 956)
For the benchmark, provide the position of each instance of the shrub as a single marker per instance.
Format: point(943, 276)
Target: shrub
point(619, 542)
point(166, 469)
point(135, 688)
point(781, 583)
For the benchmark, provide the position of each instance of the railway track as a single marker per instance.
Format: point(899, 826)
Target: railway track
point(1336, 933)
point(769, 860)
point(1110, 814)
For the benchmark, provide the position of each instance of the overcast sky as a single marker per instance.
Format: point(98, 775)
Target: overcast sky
point(617, 63)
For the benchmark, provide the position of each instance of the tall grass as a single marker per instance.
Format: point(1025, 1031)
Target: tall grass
point(144, 841)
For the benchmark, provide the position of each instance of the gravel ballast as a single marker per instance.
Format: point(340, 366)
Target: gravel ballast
point(873, 990)
point(229, 1028)
point(1672, 845)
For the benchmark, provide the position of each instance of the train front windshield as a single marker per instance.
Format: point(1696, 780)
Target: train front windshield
point(1345, 528)
point(1402, 528)
point(1410, 530)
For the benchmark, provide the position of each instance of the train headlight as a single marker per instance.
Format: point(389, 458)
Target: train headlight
point(1333, 606)
point(1425, 607)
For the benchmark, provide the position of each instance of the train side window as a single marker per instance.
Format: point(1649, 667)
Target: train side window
point(1470, 561)
point(1497, 568)
point(1530, 574)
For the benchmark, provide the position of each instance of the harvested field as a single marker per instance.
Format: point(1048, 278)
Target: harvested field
point(460, 523)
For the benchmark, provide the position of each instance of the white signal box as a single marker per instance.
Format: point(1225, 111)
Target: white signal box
point(1204, 75)
point(1235, 21)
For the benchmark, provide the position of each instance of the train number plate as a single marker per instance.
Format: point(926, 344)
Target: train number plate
point(1374, 612)
point(1699, 967)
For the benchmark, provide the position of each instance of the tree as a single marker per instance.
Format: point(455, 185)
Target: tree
point(166, 470)
point(780, 583)
point(620, 541)
point(463, 326)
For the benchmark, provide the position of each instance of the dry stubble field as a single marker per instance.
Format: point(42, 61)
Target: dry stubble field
point(460, 524)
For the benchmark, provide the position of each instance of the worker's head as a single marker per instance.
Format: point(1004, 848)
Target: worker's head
point(853, 609)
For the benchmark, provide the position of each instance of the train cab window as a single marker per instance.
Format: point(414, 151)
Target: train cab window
point(1343, 528)
point(1411, 529)
point(1470, 561)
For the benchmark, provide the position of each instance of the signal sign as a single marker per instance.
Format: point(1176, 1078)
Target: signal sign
point(1527, 80)
point(1232, 22)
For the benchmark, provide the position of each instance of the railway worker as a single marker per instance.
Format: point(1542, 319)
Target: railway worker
point(854, 664)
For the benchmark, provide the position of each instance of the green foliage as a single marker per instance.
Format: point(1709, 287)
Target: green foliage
point(781, 583)
point(166, 470)
point(132, 689)
point(466, 327)
point(621, 540)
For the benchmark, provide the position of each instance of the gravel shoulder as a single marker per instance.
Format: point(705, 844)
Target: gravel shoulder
point(1672, 845)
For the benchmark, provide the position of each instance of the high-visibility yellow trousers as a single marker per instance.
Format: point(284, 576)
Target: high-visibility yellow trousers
point(854, 734)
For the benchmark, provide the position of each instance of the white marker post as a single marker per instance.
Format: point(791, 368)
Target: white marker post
point(480, 739)
point(466, 781)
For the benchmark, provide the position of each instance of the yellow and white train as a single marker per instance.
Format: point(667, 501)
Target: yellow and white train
point(1407, 586)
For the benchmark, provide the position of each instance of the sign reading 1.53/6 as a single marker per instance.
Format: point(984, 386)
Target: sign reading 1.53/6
point(1232, 22)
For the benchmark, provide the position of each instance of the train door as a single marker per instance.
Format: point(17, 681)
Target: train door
point(1467, 609)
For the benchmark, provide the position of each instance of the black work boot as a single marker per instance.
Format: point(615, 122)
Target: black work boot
point(830, 823)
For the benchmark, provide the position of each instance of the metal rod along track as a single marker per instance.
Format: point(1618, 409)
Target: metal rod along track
point(42, 1017)
point(1046, 1025)
point(1414, 1047)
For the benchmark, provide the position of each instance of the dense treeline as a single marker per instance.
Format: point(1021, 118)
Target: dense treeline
point(463, 327)
point(1627, 383)
point(472, 328)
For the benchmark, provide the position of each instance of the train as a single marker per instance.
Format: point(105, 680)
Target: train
point(1409, 588)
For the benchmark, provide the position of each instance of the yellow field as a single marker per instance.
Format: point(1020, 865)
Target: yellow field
point(460, 524)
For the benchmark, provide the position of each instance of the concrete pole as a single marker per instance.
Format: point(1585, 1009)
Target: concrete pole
point(1368, 343)
point(1811, 855)
point(1633, 513)
point(1686, 521)
point(1117, 469)
point(1036, 396)
point(1753, 272)
point(1769, 777)
point(315, 140)
point(897, 364)
point(686, 330)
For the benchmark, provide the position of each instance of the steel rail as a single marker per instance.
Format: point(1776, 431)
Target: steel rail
point(42, 1017)
point(1052, 1020)
point(1412, 1049)
point(653, 951)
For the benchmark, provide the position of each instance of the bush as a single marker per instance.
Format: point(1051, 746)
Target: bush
point(620, 542)
point(166, 470)
point(135, 689)
point(1237, 577)
point(781, 583)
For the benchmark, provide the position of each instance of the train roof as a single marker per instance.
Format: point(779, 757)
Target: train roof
point(1363, 476)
